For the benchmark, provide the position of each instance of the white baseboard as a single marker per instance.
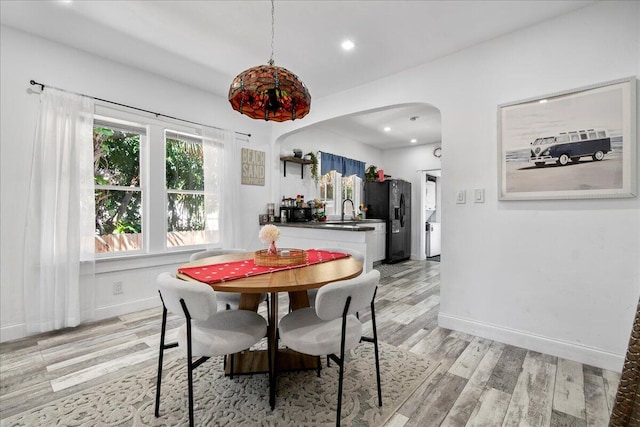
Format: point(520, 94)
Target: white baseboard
point(567, 350)
point(14, 332)
point(126, 308)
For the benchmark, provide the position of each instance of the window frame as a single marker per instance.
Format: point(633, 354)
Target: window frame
point(100, 120)
point(333, 207)
point(196, 139)
point(153, 184)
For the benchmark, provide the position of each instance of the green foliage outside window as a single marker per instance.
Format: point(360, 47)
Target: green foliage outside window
point(118, 191)
point(185, 172)
point(116, 157)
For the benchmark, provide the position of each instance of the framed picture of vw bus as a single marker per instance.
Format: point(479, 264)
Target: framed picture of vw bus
point(577, 144)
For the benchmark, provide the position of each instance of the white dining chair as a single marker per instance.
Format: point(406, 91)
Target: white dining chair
point(331, 327)
point(207, 331)
point(226, 300)
point(311, 293)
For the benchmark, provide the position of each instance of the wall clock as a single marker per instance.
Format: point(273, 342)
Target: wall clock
point(437, 152)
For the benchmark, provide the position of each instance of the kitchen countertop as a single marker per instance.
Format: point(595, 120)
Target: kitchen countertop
point(347, 225)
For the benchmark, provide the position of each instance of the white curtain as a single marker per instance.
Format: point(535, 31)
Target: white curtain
point(222, 185)
point(59, 235)
point(230, 191)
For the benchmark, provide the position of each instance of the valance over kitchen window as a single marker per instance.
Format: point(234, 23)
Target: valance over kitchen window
point(343, 165)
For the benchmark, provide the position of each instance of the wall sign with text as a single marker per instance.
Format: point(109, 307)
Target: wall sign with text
point(253, 167)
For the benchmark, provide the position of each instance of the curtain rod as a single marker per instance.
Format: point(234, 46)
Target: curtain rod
point(42, 86)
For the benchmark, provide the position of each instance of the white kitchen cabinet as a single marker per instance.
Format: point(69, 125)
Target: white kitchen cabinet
point(380, 241)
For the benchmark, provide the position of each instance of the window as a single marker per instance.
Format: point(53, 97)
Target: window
point(118, 191)
point(330, 191)
point(187, 212)
point(352, 190)
point(335, 189)
point(156, 190)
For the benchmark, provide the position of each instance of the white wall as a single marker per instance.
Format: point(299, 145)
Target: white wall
point(25, 57)
point(315, 139)
point(562, 277)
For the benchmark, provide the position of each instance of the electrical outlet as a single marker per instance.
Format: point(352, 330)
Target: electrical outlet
point(461, 196)
point(117, 288)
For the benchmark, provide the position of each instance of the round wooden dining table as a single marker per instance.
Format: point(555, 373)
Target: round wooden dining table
point(294, 281)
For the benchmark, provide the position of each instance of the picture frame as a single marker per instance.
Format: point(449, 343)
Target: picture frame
point(575, 144)
point(252, 167)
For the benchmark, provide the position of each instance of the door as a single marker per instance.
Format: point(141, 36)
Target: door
point(399, 243)
point(395, 198)
point(406, 218)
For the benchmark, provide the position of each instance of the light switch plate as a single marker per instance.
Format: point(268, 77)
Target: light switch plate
point(478, 196)
point(461, 196)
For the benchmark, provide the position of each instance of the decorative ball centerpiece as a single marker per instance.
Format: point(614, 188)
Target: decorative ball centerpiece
point(272, 257)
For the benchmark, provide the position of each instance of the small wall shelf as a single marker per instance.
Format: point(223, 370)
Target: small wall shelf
point(293, 159)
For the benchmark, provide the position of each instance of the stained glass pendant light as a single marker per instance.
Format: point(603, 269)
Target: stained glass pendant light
point(268, 92)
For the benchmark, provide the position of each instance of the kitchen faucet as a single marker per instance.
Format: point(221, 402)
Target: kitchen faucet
point(353, 208)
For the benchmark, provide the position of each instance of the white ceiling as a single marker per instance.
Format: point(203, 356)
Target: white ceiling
point(207, 43)
point(367, 127)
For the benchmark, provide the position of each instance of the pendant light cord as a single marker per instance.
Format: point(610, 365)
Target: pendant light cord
point(273, 30)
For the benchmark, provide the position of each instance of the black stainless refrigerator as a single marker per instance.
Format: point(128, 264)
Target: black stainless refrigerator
point(391, 200)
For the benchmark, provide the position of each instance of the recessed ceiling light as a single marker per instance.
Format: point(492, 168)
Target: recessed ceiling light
point(413, 141)
point(347, 45)
point(387, 129)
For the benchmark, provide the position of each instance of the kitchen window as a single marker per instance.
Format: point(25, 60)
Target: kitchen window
point(342, 180)
point(352, 190)
point(335, 189)
point(330, 191)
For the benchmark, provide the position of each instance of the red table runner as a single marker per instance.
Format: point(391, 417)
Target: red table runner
point(223, 272)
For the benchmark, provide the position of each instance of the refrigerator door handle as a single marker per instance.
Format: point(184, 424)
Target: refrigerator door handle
point(402, 210)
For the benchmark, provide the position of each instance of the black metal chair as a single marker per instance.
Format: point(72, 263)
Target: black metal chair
point(331, 327)
point(207, 331)
point(311, 293)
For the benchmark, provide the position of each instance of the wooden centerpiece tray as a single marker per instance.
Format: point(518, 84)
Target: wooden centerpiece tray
point(284, 257)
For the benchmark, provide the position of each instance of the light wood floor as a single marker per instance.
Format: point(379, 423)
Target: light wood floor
point(479, 382)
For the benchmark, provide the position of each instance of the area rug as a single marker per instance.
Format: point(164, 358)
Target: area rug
point(303, 399)
point(387, 270)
